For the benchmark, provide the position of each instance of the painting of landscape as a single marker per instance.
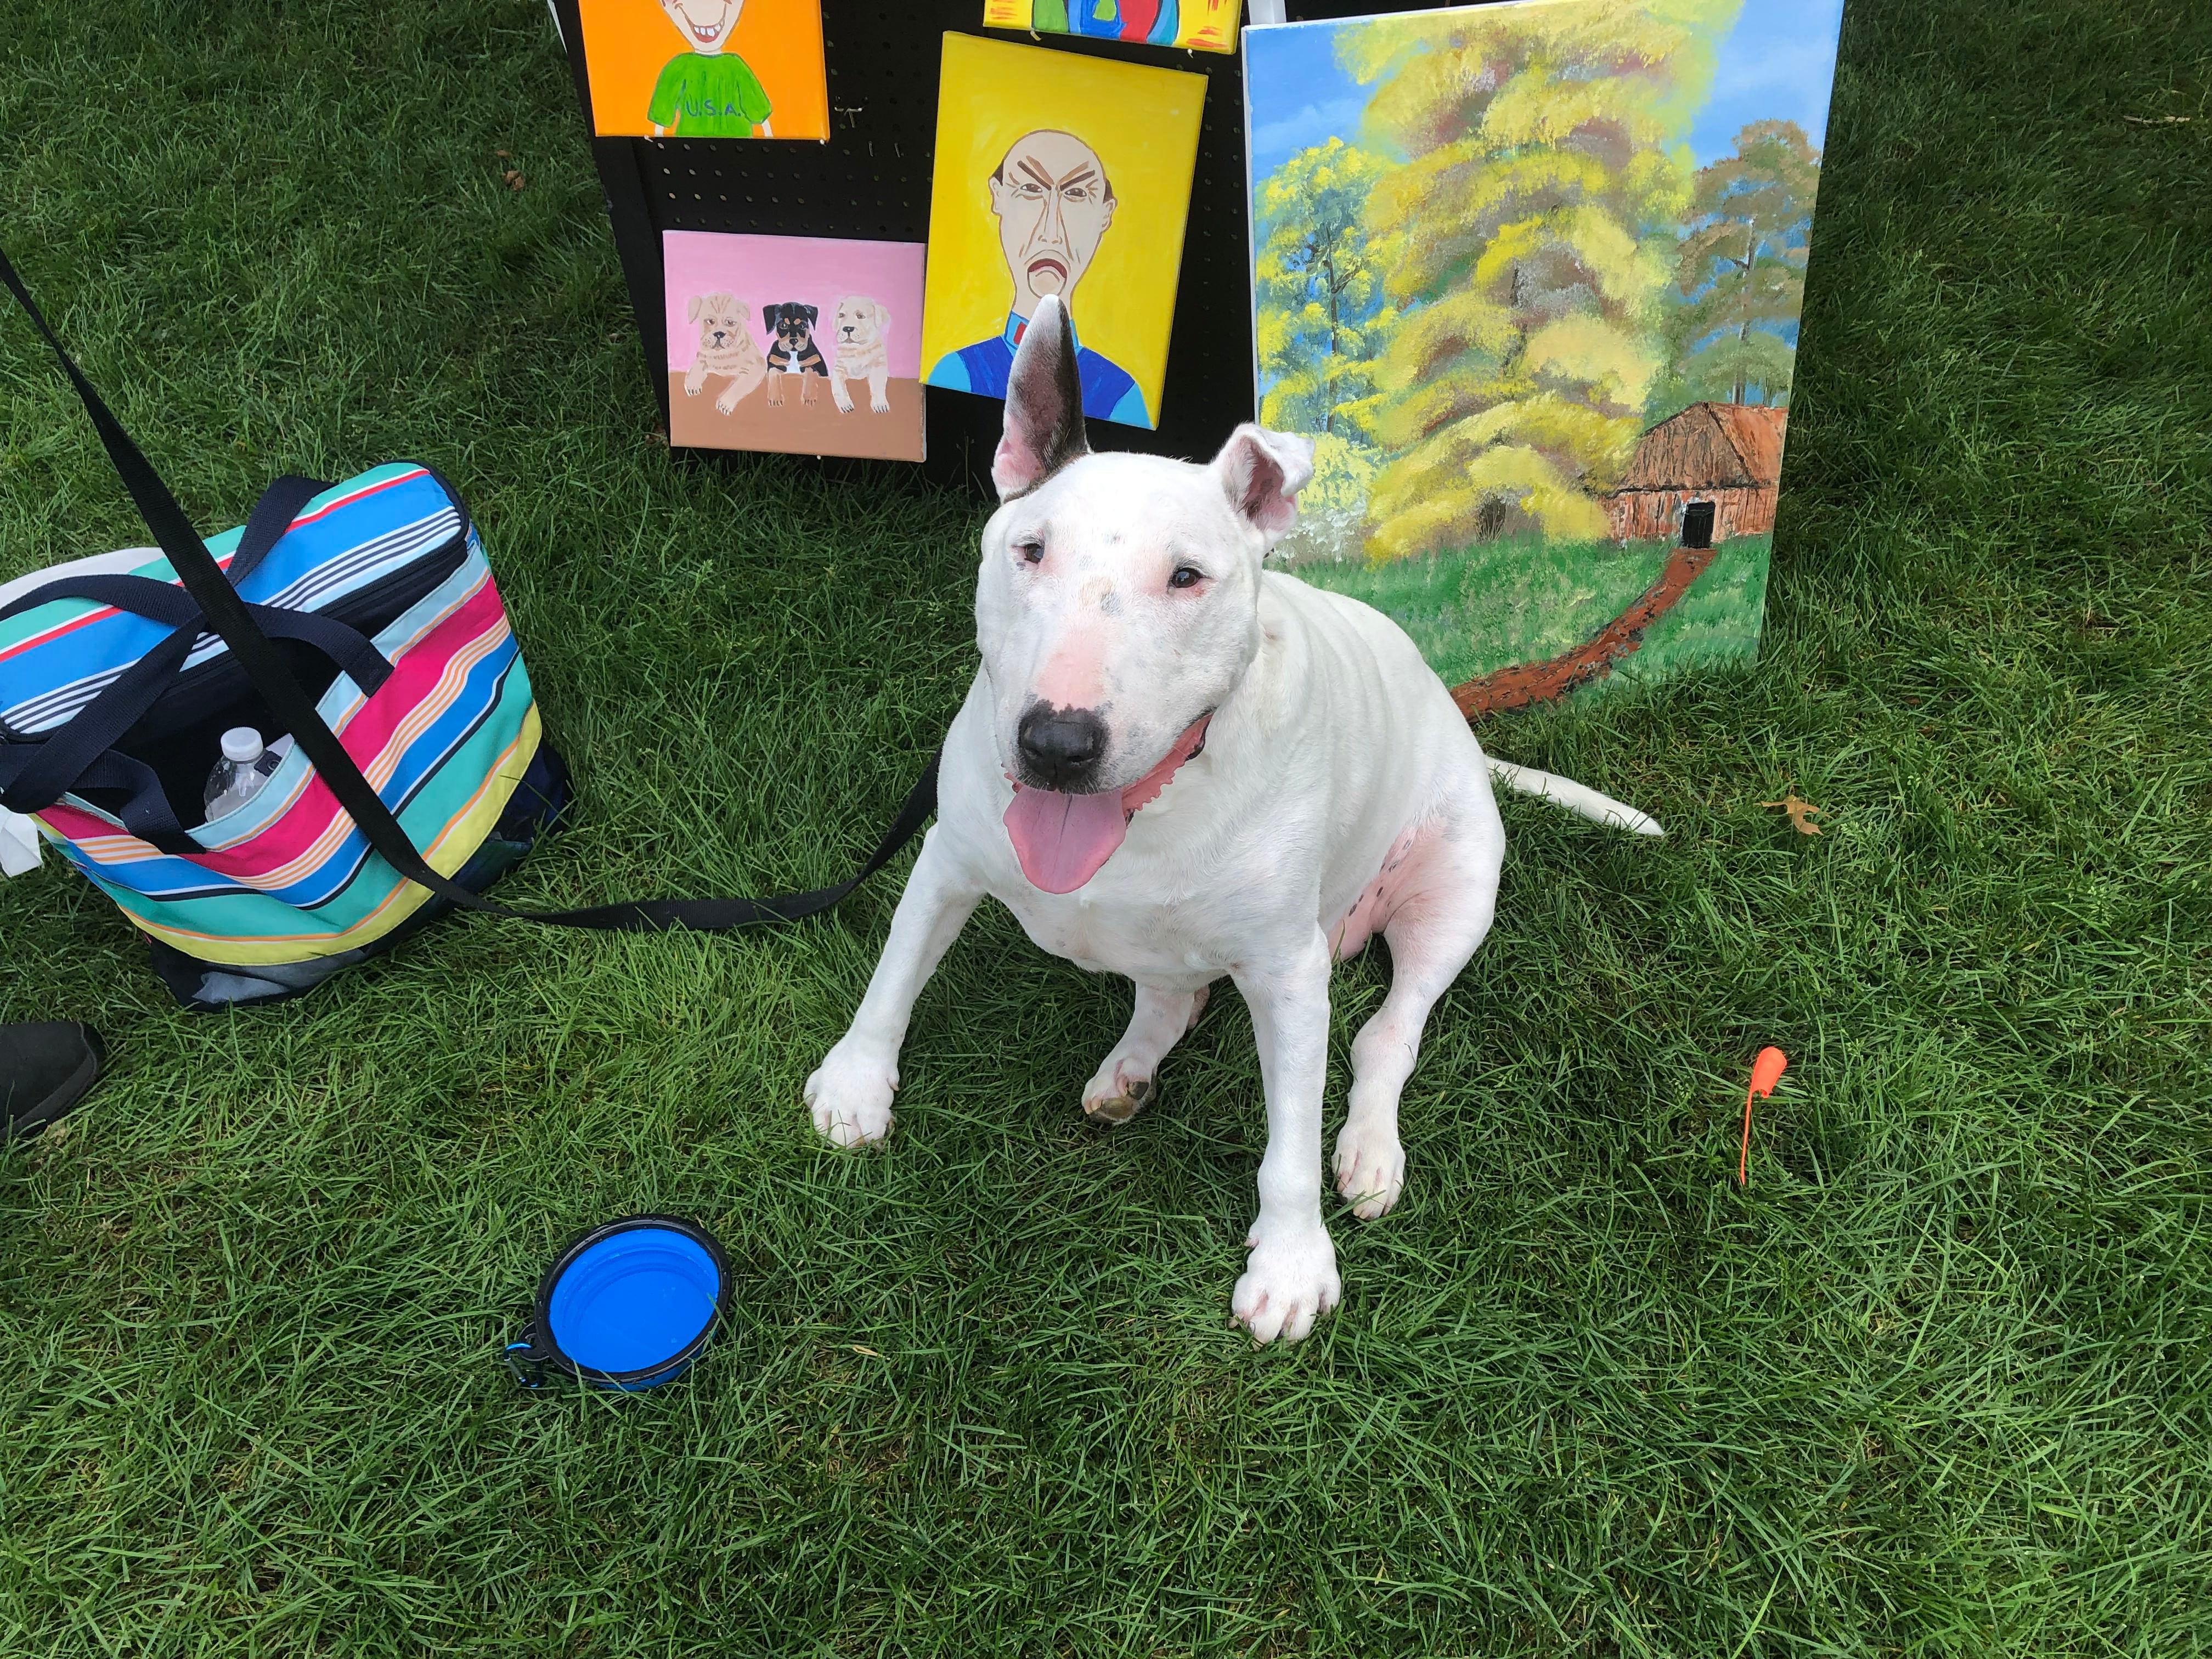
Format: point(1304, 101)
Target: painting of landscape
point(1529, 274)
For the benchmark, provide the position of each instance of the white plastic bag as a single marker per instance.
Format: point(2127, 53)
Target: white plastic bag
point(18, 844)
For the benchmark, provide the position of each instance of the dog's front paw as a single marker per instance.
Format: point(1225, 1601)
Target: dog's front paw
point(727, 406)
point(851, 1098)
point(1370, 1167)
point(879, 405)
point(1289, 1282)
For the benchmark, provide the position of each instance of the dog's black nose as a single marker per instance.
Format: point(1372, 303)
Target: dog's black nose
point(1062, 747)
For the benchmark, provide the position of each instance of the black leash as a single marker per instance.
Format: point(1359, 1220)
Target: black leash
point(228, 616)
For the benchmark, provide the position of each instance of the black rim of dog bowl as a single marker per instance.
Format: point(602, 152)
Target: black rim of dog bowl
point(538, 1350)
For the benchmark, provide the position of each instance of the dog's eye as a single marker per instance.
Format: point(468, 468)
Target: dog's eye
point(1032, 552)
point(1187, 575)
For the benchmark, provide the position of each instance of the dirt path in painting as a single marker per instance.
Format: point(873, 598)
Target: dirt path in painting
point(1540, 682)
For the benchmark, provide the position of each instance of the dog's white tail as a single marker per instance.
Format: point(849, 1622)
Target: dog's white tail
point(1575, 797)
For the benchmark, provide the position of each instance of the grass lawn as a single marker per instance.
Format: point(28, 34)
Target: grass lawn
point(1526, 599)
point(1937, 1383)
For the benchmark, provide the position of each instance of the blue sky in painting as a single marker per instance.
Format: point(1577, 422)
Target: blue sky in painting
point(1776, 64)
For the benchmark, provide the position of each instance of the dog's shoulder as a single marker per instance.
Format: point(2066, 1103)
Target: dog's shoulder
point(1342, 621)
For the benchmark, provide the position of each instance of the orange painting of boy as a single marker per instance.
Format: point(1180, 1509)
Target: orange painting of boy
point(732, 69)
point(707, 92)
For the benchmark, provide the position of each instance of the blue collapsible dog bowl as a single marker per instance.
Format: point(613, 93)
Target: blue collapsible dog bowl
point(627, 1305)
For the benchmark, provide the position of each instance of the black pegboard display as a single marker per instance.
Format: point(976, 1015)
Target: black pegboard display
point(871, 180)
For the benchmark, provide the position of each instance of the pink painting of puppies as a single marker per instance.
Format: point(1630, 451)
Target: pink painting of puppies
point(862, 305)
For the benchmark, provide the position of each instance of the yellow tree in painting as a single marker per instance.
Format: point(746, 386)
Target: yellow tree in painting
point(1547, 170)
point(1322, 316)
point(1322, 322)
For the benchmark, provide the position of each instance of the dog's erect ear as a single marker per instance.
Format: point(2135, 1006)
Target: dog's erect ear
point(813, 314)
point(698, 304)
point(767, 317)
point(1261, 473)
point(1044, 407)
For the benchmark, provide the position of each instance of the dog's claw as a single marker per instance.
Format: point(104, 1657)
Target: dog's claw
point(1120, 1109)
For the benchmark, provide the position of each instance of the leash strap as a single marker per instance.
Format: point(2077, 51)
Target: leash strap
point(232, 620)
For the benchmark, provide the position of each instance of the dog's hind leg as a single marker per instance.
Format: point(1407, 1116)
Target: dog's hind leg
point(1433, 929)
point(1123, 1085)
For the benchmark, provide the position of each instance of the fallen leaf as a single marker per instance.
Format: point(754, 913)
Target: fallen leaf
point(1802, 813)
point(513, 179)
point(504, 156)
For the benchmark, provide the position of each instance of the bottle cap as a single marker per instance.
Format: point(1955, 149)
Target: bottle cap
point(241, 744)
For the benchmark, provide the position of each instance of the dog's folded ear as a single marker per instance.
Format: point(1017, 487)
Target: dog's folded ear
point(813, 314)
point(691, 312)
point(1261, 473)
point(1044, 427)
point(767, 317)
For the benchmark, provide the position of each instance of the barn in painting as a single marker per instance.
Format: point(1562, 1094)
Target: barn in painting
point(1728, 454)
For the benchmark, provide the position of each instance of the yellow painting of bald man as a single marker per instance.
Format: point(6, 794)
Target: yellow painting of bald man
point(1065, 175)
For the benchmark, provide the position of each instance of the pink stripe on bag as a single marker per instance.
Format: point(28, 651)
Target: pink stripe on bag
point(429, 677)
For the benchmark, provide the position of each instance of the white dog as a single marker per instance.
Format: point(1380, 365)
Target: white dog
point(857, 351)
point(1176, 768)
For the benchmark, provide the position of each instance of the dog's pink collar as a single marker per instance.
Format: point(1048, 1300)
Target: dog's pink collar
point(1146, 790)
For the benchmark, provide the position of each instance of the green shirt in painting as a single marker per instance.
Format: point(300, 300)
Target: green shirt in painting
point(703, 95)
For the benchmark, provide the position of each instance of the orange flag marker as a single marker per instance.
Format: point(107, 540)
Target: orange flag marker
point(1765, 1072)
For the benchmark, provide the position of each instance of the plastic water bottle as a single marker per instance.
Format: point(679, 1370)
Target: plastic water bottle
point(244, 767)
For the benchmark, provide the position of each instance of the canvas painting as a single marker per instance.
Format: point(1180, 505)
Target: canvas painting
point(706, 68)
point(1057, 174)
point(1529, 275)
point(1200, 25)
point(802, 345)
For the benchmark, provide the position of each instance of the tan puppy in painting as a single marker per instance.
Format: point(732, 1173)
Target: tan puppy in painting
point(857, 351)
point(725, 350)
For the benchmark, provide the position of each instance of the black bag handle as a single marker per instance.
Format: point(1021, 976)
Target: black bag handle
point(271, 517)
point(160, 601)
point(343, 643)
point(31, 781)
point(230, 618)
point(35, 774)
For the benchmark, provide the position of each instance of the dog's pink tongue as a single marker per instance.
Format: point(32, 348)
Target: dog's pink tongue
point(1062, 840)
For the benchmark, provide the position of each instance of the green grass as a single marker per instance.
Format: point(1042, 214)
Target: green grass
point(1526, 599)
point(1936, 1384)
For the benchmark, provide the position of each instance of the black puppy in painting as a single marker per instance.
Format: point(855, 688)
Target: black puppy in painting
point(794, 351)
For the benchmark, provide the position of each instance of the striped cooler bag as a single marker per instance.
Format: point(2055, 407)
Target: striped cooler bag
point(356, 627)
point(113, 699)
